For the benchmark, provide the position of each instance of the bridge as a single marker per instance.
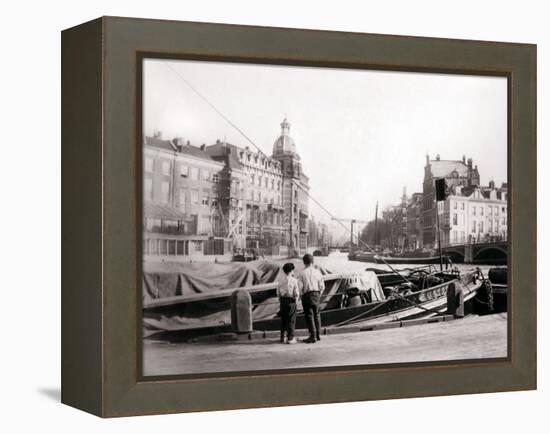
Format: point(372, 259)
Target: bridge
point(493, 252)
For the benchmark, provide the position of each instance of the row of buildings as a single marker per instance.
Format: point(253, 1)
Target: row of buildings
point(471, 213)
point(214, 199)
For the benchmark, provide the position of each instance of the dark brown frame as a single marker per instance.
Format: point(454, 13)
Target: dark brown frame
point(101, 212)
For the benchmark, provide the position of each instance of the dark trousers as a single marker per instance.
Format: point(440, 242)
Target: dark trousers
point(288, 317)
point(310, 302)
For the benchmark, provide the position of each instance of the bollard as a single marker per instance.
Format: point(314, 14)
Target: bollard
point(241, 311)
point(455, 300)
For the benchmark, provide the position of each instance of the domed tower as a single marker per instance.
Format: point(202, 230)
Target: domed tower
point(295, 190)
point(284, 145)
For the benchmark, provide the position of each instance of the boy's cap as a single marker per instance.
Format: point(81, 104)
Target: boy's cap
point(308, 259)
point(288, 267)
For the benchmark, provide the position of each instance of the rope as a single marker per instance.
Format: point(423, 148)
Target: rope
point(241, 132)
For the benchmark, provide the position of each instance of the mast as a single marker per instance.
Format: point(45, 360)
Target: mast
point(376, 225)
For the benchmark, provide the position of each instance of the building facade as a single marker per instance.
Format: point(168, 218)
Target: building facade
point(414, 233)
point(295, 190)
point(252, 197)
point(180, 196)
point(211, 200)
point(456, 173)
point(474, 214)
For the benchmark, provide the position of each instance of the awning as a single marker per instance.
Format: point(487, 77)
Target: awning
point(162, 212)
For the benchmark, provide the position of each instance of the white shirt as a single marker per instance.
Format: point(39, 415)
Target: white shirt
point(288, 287)
point(311, 279)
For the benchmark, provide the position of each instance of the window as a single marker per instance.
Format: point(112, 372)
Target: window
point(215, 178)
point(473, 210)
point(251, 194)
point(205, 174)
point(481, 209)
point(462, 205)
point(195, 197)
point(455, 219)
point(503, 210)
point(165, 192)
point(496, 210)
point(490, 225)
point(149, 165)
point(490, 210)
point(273, 184)
point(259, 181)
point(258, 196)
point(184, 170)
point(455, 205)
point(252, 179)
point(166, 168)
point(474, 227)
point(182, 200)
point(148, 189)
point(480, 225)
point(266, 181)
point(205, 198)
point(194, 174)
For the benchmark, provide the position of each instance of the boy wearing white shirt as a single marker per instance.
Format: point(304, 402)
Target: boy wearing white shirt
point(312, 285)
point(288, 292)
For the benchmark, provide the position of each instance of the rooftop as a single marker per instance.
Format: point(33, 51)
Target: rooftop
point(177, 145)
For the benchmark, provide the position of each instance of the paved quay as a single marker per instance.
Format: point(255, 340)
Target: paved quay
point(469, 338)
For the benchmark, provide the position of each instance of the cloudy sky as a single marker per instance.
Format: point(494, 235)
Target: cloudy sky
point(362, 135)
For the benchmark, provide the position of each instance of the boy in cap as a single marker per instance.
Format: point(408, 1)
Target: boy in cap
point(288, 292)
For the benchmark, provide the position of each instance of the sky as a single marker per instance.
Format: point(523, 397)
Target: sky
point(362, 135)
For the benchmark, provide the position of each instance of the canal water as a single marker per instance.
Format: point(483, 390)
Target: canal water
point(338, 262)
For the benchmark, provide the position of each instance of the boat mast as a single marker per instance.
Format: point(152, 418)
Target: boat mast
point(376, 225)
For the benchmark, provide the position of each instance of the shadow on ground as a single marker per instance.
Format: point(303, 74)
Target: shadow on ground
point(51, 392)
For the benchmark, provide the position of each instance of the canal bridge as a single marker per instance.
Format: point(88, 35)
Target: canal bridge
point(493, 252)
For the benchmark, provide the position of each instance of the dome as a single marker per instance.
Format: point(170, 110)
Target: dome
point(284, 143)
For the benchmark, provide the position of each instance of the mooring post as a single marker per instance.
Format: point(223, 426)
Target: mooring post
point(241, 311)
point(455, 300)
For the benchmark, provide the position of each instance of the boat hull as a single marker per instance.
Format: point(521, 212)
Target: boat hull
point(401, 260)
point(422, 304)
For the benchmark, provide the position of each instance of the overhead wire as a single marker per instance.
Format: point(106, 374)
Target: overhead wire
point(242, 133)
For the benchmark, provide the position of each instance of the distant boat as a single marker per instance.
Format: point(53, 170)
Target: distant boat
point(413, 260)
point(362, 256)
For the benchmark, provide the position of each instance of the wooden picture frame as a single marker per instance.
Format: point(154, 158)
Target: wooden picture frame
point(101, 215)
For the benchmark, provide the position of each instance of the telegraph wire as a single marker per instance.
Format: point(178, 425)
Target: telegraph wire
point(242, 133)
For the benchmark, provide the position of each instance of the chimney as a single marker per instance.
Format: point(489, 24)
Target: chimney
point(157, 134)
point(464, 159)
point(427, 159)
point(218, 141)
point(437, 157)
point(203, 147)
point(491, 184)
point(470, 163)
point(178, 142)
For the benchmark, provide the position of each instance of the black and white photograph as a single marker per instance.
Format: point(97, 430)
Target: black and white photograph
point(302, 217)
